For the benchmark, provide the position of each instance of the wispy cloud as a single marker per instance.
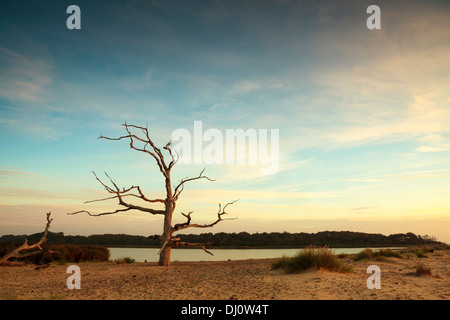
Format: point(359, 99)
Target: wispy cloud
point(244, 87)
point(365, 209)
point(394, 89)
point(433, 148)
point(18, 174)
point(143, 81)
point(434, 143)
point(384, 177)
point(23, 77)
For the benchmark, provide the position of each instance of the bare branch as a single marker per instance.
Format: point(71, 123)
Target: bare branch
point(169, 149)
point(160, 161)
point(99, 214)
point(143, 197)
point(156, 154)
point(187, 224)
point(123, 192)
point(120, 194)
point(189, 244)
point(107, 188)
point(178, 191)
point(149, 210)
point(25, 246)
point(175, 242)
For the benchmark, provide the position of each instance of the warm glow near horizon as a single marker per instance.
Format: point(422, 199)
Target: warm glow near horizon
point(363, 115)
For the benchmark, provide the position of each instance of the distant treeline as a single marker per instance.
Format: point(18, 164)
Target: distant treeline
point(241, 239)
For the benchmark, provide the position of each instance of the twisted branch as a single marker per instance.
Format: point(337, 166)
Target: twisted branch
point(155, 153)
point(120, 194)
point(25, 246)
point(188, 224)
point(180, 187)
point(175, 242)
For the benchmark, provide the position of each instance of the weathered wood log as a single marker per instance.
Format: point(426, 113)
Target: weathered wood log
point(25, 246)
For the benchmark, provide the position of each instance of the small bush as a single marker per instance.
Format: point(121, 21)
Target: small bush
point(420, 252)
point(281, 262)
point(368, 254)
point(389, 253)
point(311, 257)
point(423, 270)
point(364, 254)
point(124, 260)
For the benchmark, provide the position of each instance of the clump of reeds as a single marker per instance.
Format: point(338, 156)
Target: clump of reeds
point(311, 257)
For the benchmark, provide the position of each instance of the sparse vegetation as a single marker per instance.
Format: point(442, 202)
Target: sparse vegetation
point(124, 260)
point(423, 270)
point(311, 257)
point(342, 255)
point(364, 254)
point(368, 254)
point(423, 252)
point(420, 252)
point(389, 253)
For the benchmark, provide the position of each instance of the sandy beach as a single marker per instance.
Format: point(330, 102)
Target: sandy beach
point(235, 280)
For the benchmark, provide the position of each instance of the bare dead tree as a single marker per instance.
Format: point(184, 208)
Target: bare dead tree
point(143, 143)
point(25, 246)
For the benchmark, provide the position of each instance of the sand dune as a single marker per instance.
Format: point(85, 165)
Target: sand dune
point(245, 279)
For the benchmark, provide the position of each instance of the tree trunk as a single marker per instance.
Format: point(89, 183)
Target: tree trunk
point(164, 255)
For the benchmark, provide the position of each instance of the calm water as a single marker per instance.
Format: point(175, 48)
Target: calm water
point(151, 254)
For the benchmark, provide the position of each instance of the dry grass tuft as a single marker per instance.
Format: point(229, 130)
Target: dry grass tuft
point(311, 257)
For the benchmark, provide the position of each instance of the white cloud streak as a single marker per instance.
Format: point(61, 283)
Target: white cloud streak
point(23, 77)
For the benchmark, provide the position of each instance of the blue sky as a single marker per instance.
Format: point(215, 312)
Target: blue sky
point(363, 115)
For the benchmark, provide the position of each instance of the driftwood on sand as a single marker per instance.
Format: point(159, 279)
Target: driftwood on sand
point(16, 253)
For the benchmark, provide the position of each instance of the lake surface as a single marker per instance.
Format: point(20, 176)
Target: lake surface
point(151, 254)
